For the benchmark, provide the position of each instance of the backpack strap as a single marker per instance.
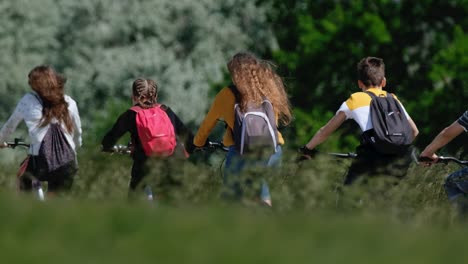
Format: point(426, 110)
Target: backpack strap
point(163, 107)
point(37, 97)
point(236, 92)
point(373, 96)
point(136, 108)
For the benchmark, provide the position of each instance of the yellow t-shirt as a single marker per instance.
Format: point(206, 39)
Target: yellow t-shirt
point(221, 109)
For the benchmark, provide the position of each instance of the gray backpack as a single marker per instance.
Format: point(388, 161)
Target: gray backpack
point(255, 129)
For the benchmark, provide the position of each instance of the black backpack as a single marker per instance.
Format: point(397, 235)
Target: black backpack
point(255, 130)
point(56, 157)
point(392, 133)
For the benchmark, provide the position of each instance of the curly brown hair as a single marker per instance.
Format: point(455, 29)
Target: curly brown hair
point(49, 85)
point(145, 92)
point(256, 79)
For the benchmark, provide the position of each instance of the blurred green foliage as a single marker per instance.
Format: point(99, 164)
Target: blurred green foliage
point(423, 44)
point(103, 45)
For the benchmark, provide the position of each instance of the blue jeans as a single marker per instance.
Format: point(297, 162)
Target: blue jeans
point(456, 184)
point(235, 163)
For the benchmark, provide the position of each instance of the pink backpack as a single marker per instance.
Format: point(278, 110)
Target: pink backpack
point(155, 131)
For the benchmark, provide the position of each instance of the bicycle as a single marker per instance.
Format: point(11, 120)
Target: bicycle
point(36, 184)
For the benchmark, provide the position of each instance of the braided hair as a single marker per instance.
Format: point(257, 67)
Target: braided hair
point(145, 92)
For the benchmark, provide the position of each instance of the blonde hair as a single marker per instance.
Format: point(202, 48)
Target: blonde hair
point(256, 80)
point(49, 85)
point(145, 92)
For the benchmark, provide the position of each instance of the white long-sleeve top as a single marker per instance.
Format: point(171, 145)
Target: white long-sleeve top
point(29, 109)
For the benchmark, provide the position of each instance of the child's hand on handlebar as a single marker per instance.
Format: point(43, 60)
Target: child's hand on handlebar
point(306, 153)
point(202, 148)
point(427, 159)
point(3, 145)
point(198, 149)
point(191, 148)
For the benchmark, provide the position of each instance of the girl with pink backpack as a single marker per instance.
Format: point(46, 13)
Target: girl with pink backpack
point(154, 129)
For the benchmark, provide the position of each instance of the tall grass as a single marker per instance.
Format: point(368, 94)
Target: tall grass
point(308, 186)
point(313, 219)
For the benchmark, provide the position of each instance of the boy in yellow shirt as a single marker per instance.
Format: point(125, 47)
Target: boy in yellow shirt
point(371, 78)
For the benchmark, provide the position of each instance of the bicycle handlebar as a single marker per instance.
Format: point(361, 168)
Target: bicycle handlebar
point(17, 142)
point(213, 145)
point(443, 159)
point(121, 149)
point(343, 155)
point(304, 156)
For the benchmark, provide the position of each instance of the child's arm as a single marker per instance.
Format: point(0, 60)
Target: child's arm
point(77, 133)
point(442, 139)
point(413, 127)
point(324, 132)
point(181, 130)
point(10, 126)
point(217, 109)
point(121, 126)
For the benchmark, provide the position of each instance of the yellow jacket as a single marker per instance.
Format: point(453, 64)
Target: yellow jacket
point(221, 109)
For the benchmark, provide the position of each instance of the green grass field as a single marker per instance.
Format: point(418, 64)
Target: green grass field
point(311, 222)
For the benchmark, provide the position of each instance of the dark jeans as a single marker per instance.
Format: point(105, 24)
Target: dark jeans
point(158, 173)
point(370, 162)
